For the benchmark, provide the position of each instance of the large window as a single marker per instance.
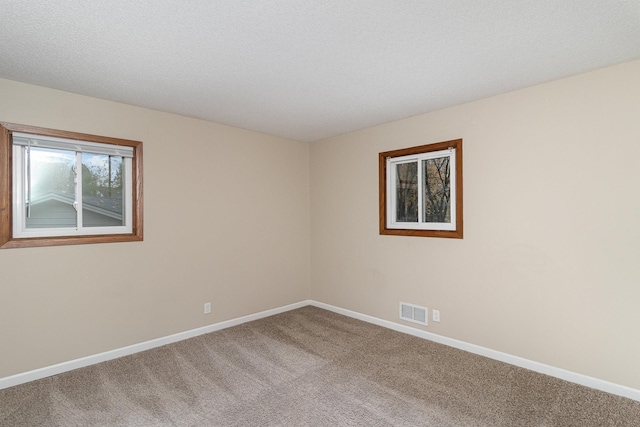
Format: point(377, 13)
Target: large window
point(421, 190)
point(67, 188)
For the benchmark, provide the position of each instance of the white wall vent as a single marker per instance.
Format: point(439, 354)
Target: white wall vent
point(413, 313)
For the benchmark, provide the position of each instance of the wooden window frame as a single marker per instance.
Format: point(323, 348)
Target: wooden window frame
point(383, 191)
point(7, 240)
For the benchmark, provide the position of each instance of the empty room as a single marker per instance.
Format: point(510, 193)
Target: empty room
point(290, 213)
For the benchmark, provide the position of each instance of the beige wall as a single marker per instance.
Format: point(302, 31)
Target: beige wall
point(549, 268)
point(226, 222)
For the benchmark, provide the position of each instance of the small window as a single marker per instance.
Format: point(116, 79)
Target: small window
point(68, 188)
point(421, 190)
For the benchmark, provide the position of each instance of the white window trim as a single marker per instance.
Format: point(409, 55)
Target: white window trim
point(19, 183)
point(392, 190)
point(42, 141)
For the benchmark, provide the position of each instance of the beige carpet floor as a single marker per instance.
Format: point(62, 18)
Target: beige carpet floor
point(309, 367)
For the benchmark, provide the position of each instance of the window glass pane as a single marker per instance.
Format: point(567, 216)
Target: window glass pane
point(50, 188)
point(102, 190)
point(407, 192)
point(437, 195)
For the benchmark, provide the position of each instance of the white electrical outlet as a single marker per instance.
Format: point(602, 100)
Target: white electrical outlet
point(207, 308)
point(436, 315)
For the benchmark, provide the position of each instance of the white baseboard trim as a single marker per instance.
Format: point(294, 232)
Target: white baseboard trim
point(59, 368)
point(563, 374)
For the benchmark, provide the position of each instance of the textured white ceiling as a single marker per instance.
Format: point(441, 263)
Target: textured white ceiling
point(306, 69)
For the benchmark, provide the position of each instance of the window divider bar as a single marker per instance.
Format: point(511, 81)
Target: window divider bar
point(28, 172)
